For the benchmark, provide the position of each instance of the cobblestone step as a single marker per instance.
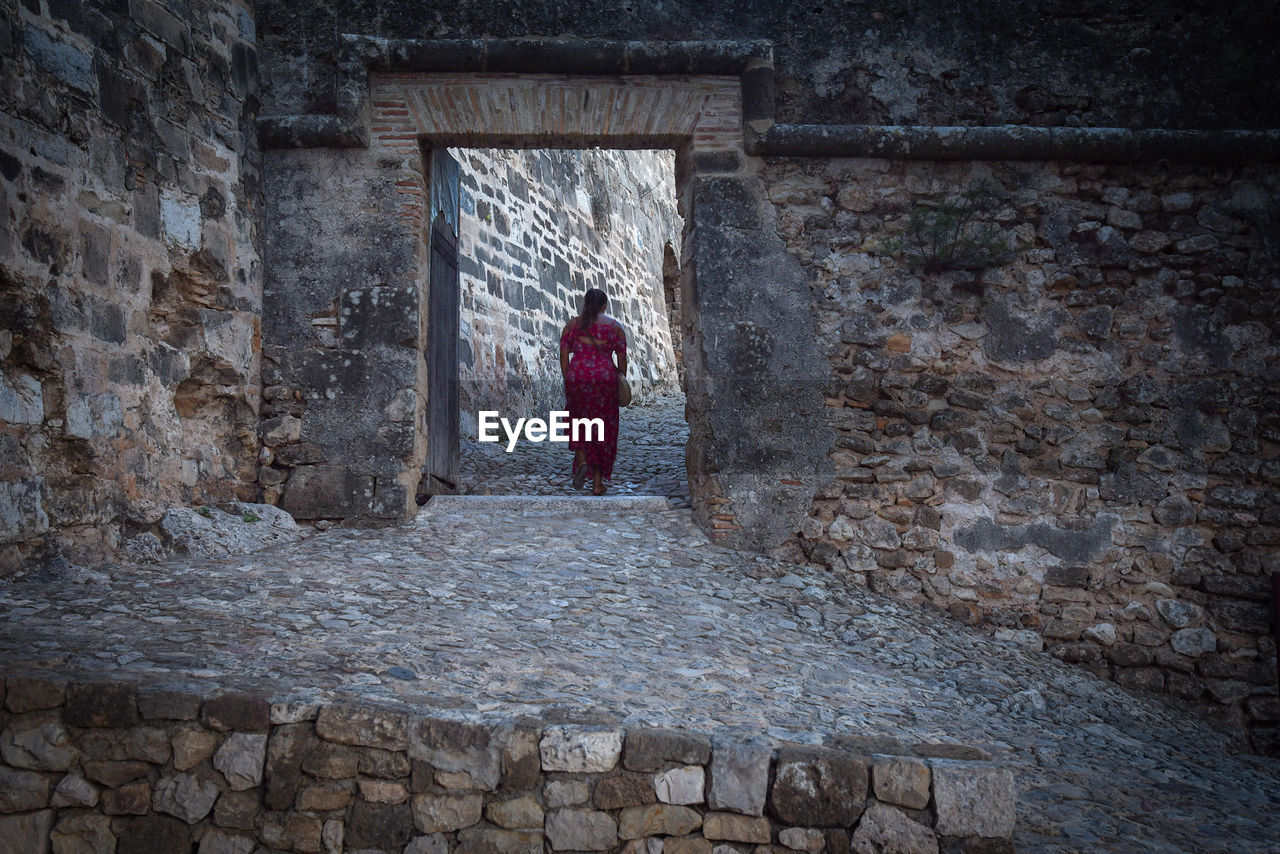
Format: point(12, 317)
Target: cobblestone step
point(592, 506)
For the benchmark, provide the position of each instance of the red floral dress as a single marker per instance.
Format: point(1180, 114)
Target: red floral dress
point(591, 389)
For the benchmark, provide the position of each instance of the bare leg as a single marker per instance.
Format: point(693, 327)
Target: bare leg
point(579, 469)
point(598, 481)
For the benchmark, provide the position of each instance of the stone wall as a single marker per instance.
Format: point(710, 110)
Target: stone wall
point(929, 62)
point(1079, 447)
point(538, 229)
point(130, 282)
point(109, 766)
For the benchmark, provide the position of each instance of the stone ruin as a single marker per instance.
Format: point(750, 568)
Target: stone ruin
point(968, 314)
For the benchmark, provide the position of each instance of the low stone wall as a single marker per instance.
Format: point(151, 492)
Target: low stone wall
point(537, 229)
point(109, 766)
point(1078, 446)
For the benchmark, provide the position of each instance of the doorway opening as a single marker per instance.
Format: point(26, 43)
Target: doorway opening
point(535, 228)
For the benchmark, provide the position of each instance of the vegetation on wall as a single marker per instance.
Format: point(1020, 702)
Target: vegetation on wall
point(951, 234)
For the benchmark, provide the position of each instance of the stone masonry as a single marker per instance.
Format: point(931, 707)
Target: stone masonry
point(130, 277)
point(105, 766)
point(1077, 447)
point(538, 229)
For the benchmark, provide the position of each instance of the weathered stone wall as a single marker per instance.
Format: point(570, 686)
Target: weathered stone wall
point(931, 62)
point(130, 282)
point(537, 229)
point(1080, 446)
point(106, 766)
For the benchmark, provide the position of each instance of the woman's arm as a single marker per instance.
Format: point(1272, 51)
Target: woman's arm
point(564, 351)
point(622, 350)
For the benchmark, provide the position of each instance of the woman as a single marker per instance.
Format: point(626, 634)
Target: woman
point(587, 345)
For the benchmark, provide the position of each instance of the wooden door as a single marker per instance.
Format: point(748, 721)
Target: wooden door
point(442, 328)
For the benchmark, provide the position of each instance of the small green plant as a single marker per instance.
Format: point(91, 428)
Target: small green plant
point(205, 512)
point(947, 235)
point(250, 517)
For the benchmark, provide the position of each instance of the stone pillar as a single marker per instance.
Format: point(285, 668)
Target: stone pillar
point(342, 335)
point(758, 446)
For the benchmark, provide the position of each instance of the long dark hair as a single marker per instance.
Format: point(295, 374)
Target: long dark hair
point(592, 304)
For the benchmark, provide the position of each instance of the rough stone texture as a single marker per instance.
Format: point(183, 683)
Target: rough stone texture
point(656, 749)
point(625, 789)
point(363, 727)
point(83, 834)
point(819, 789)
point(27, 833)
point(1068, 443)
point(537, 228)
point(883, 828)
point(442, 813)
point(735, 827)
point(681, 785)
point(516, 813)
point(22, 791)
point(657, 820)
point(802, 838)
point(901, 780)
point(189, 797)
point(241, 759)
point(130, 275)
point(580, 749)
point(739, 778)
point(972, 800)
point(43, 748)
point(581, 830)
point(209, 531)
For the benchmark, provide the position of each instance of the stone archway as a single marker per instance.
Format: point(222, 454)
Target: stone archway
point(758, 448)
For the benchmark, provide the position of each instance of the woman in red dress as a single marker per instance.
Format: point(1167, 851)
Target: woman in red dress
point(587, 345)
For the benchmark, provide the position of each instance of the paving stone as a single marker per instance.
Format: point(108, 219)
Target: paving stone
point(657, 820)
point(241, 758)
point(817, 787)
point(972, 798)
point(581, 830)
point(736, 828)
point(901, 780)
point(185, 796)
point(883, 828)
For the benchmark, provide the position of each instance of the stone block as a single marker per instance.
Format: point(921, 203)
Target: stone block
point(191, 747)
point(327, 492)
point(436, 843)
point(32, 694)
point(220, 842)
point(657, 820)
point(133, 799)
point(22, 791)
point(236, 810)
point(27, 833)
point(241, 759)
point(42, 748)
point(883, 828)
point(296, 832)
point(973, 799)
point(733, 827)
point(378, 317)
point(1194, 642)
point(382, 826)
point(153, 834)
point(624, 789)
point(818, 788)
point(739, 777)
point(581, 830)
point(330, 761)
point(325, 797)
point(74, 791)
point(363, 727)
point(114, 773)
point(729, 202)
point(656, 749)
point(489, 840)
point(83, 833)
point(580, 749)
point(283, 768)
point(236, 711)
point(521, 764)
point(686, 845)
point(189, 797)
point(901, 780)
point(383, 792)
point(459, 747)
point(516, 813)
point(566, 793)
point(802, 838)
point(681, 785)
point(443, 813)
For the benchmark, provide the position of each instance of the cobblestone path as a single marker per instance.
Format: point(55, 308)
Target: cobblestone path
point(638, 618)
